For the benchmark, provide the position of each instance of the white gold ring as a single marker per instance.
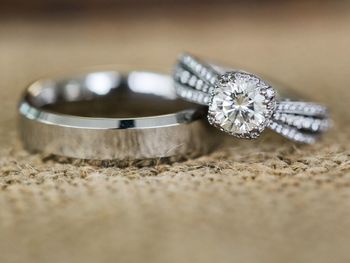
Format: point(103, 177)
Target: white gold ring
point(243, 104)
point(108, 115)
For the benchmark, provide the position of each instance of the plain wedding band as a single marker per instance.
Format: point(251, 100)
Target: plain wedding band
point(142, 129)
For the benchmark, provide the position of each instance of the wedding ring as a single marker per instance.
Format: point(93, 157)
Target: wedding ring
point(105, 115)
point(243, 104)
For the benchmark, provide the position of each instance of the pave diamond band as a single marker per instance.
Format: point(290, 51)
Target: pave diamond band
point(243, 105)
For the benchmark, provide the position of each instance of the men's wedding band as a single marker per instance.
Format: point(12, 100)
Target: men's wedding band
point(243, 104)
point(67, 117)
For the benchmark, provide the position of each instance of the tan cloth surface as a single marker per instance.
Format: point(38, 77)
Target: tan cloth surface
point(263, 201)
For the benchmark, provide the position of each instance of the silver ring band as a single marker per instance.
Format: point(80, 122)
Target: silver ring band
point(243, 105)
point(67, 117)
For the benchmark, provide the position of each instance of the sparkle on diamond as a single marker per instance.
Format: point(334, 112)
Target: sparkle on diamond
point(238, 106)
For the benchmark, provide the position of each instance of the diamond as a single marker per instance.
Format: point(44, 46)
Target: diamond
point(241, 104)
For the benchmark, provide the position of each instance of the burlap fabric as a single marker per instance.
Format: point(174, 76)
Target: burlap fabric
point(268, 200)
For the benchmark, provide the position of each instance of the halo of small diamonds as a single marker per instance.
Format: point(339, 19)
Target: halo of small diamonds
point(241, 104)
point(199, 82)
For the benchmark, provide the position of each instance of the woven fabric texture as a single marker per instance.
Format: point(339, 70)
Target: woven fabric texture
point(268, 200)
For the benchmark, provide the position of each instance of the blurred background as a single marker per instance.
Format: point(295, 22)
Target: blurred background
point(302, 43)
point(247, 202)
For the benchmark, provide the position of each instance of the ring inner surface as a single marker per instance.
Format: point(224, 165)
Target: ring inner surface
point(108, 94)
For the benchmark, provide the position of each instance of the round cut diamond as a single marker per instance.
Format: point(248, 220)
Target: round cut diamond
point(241, 104)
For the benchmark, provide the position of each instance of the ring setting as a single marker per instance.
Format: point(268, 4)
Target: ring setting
point(241, 104)
point(244, 105)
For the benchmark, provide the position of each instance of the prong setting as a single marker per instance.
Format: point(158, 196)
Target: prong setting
point(298, 120)
point(241, 104)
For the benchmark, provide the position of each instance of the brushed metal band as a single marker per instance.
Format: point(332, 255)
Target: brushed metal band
point(151, 133)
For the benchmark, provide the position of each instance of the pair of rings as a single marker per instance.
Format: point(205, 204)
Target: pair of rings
point(104, 115)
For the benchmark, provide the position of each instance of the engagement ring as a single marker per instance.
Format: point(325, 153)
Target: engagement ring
point(243, 104)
